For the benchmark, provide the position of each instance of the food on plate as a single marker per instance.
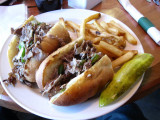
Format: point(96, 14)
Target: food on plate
point(74, 73)
point(31, 44)
point(124, 58)
point(111, 48)
point(130, 72)
point(127, 35)
point(69, 73)
point(82, 68)
point(110, 32)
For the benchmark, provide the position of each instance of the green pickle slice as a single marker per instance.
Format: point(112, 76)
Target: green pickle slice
point(125, 78)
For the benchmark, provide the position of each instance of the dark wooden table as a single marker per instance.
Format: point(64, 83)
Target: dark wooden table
point(151, 80)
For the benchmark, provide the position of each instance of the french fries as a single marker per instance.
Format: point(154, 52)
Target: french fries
point(82, 27)
point(73, 25)
point(109, 54)
point(110, 30)
point(111, 48)
point(124, 58)
point(108, 37)
point(99, 27)
point(96, 40)
point(128, 36)
point(91, 26)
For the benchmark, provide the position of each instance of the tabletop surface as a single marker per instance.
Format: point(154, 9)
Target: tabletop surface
point(151, 80)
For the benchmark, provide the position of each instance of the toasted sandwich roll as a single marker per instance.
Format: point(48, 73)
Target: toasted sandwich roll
point(57, 36)
point(12, 51)
point(31, 44)
point(45, 71)
point(86, 85)
point(74, 73)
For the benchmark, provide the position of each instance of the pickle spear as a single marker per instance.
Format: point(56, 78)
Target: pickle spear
point(125, 77)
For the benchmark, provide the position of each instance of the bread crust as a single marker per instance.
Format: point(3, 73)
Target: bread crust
point(54, 37)
point(80, 88)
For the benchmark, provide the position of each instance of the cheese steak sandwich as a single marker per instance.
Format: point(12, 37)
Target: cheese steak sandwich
point(74, 73)
point(31, 44)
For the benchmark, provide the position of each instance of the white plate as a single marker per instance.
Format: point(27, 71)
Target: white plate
point(31, 99)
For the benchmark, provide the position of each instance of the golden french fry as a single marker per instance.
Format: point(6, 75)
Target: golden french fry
point(120, 31)
point(103, 34)
point(73, 25)
point(118, 41)
point(82, 26)
point(91, 26)
point(111, 48)
point(122, 59)
point(99, 27)
point(113, 31)
point(94, 32)
point(131, 39)
point(82, 29)
point(100, 34)
point(128, 36)
point(100, 49)
point(92, 17)
point(88, 35)
point(106, 35)
point(126, 51)
point(96, 40)
point(104, 25)
point(109, 29)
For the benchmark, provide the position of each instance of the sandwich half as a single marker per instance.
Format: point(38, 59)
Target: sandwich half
point(74, 73)
point(31, 44)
